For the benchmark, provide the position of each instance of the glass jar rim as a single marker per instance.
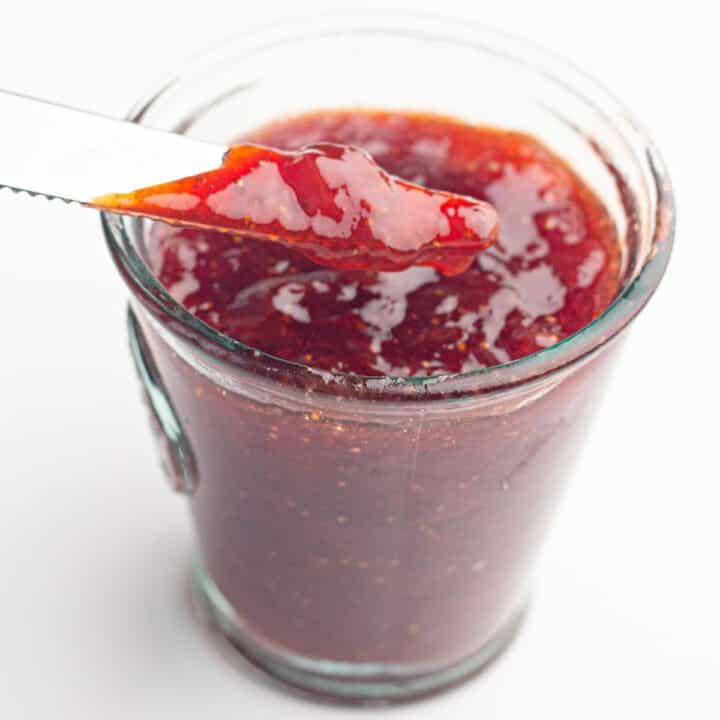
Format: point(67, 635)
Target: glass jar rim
point(547, 361)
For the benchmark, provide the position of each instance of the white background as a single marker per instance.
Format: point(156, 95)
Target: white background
point(94, 614)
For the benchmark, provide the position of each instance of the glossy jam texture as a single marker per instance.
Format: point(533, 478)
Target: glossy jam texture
point(330, 202)
point(554, 268)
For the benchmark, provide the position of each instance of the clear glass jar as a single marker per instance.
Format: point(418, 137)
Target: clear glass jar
point(372, 538)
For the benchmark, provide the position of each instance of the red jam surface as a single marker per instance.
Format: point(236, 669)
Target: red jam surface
point(330, 202)
point(553, 269)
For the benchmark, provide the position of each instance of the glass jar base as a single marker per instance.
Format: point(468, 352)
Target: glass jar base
point(348, 682)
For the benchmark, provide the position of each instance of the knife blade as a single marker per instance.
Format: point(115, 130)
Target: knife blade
point(62, 152)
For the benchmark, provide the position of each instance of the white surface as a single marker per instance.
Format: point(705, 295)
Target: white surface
point(94, 616)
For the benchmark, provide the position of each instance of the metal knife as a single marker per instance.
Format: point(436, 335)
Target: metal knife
point(61, 152)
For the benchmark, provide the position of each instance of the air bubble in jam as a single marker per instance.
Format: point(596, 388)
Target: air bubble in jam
point(553, 269)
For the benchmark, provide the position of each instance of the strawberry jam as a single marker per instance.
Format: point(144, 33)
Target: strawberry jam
point(330, 202)
point(383, 529)
point(553, 269)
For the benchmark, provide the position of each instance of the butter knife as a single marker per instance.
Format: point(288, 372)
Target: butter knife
point(62, 152)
